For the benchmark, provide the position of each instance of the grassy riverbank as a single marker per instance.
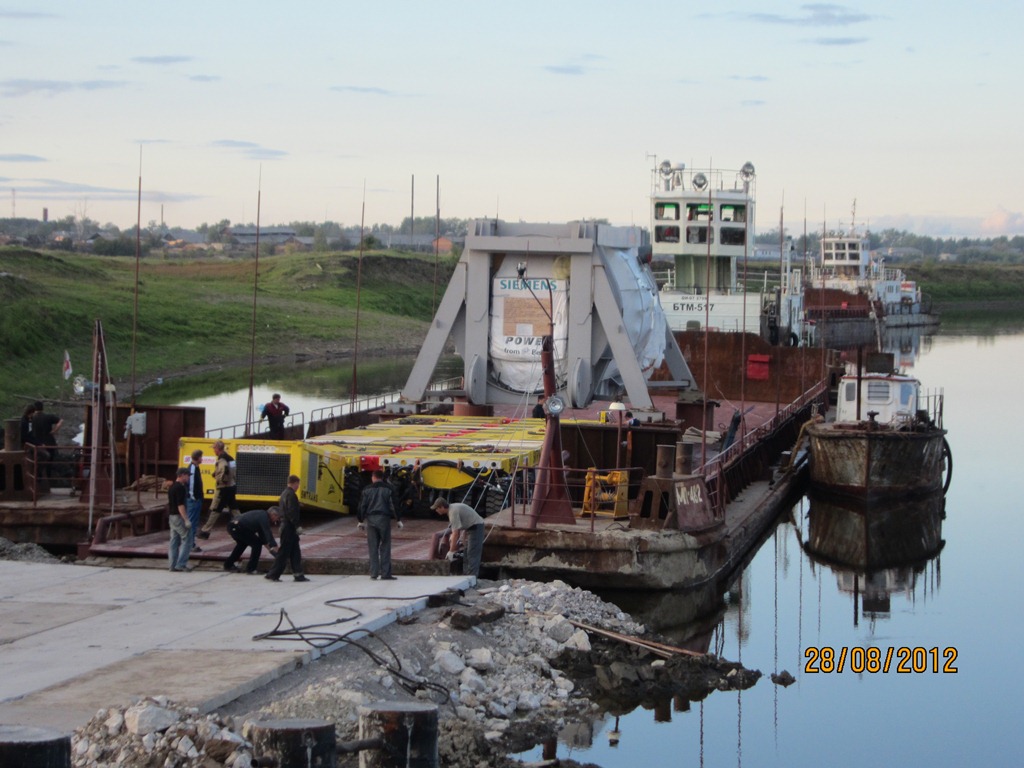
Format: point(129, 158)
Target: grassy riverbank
point(980, 285)
point(197, 315)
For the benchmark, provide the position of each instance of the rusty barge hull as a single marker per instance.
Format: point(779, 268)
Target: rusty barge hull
point(612, 556)
point(876, 463)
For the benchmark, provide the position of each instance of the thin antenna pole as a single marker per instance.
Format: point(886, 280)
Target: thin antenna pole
point(249, 409)
point(778, 368)
point(359, 289)
point(138, 258)
point(707, 319)
point(412, 211)
point(437, 237)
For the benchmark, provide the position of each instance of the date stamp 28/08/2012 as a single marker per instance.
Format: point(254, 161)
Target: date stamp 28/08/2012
point(902, 660)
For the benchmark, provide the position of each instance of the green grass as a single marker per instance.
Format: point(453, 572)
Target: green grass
point(945, 282)
point(197, 313)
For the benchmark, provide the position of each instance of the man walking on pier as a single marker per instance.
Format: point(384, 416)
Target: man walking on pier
point(224, 488)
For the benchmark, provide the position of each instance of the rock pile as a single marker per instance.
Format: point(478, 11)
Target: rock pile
point(506, 665)
point(27, 552)
point(153, 732)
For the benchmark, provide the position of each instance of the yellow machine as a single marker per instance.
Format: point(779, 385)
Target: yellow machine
point(444, 452)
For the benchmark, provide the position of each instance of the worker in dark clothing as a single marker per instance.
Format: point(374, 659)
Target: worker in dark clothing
point(252, 529)
point(289, 553)
point(538, 409)
point(376, 511)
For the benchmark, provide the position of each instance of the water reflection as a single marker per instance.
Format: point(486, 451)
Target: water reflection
point(876, 550)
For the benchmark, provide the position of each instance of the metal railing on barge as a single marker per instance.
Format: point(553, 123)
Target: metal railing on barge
point(749, 458)
point(326, 419)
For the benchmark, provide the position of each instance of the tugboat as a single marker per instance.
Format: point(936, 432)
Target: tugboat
point(852, 292)
point(887, 439)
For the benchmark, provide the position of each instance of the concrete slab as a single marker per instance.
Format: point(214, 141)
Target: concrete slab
point(79, 638)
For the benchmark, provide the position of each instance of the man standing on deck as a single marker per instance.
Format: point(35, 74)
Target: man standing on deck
point(467, 526)
point(289, 552)
point(376, 510)
point(538, 409)
point(177, 518)
point(224, 488)
point(274, 412)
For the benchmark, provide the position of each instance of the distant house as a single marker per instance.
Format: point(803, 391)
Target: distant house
point(407, 242)
point(246, 236)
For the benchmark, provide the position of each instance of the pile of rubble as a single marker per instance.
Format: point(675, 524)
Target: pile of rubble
point(153, 732)
point(27, 552)
point(508, 666)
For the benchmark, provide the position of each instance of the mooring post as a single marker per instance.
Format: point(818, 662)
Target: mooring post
point(23, 746)
point(293, 743)
point(12, 434)
point(407, 730)
point(665, 461)
point(684, 458)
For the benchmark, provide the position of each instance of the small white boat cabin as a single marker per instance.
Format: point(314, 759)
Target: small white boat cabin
point(892, 397)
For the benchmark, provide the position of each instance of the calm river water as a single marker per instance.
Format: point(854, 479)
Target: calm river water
point(786, 605)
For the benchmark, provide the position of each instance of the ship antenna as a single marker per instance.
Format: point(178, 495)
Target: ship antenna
point(359, 290)
point(249, 412)
point(138, 258)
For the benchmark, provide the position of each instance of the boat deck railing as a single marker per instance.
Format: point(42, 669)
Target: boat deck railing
point(592, 493)
point(727, 473)
point(70, 466)
point(256, 428)
point(294, 424)
point(932, 402)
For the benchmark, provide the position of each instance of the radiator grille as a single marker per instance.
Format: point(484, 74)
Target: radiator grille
point(263, 474)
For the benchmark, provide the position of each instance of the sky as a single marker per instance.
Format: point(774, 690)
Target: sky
point(908, 113)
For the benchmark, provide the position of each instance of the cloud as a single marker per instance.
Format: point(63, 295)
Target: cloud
point(838, 40)
point(815, 15)
point(362, 89)
point(250, 149)
point(204, 78)
point(162, 60)
point(750, 78)
point(753, 103)
point(48, 188)
point(24, 87)
point(22, 159)
point(1003, 222)
point(566, 69)
point(56, 189)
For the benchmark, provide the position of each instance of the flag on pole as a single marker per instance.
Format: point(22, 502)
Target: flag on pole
point(67, 365)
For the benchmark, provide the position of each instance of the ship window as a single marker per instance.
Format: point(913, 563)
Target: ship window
point(698, 212)
point(733, 235)
point(854, 246)
point(907, 394)
point(733, 212)
point(850, 392)
point(878, 391)
point(699, 235)
point(666, 234)
point(666, 211)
